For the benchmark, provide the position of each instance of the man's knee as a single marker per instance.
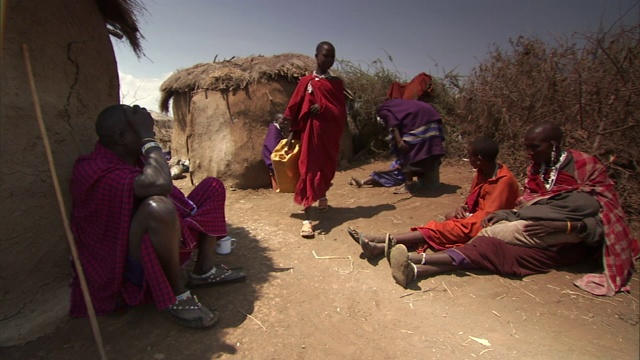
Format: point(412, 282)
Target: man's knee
point(212, 182)
point(214, 186)
point(158, 208)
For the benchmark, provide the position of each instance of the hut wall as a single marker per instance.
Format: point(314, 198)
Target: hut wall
point(181, 121)
point(75, 74)
point(225, 132)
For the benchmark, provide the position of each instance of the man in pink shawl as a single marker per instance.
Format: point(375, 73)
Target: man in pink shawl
point(317, 111)
point(569, 209)
point(134, 229)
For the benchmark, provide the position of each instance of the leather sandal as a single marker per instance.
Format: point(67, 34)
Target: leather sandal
point(403, 271)
point(307, 230)
point(323, 204)
point(189, 312)
point(218, 275)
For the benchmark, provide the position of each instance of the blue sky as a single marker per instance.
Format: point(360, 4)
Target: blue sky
point(430, 36)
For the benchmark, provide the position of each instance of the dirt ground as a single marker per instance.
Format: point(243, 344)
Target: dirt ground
point(317, 299)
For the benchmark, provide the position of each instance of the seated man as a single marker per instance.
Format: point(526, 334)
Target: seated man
point(134, 229)
point(569, 208)
point(277, 131)
point(493, 188)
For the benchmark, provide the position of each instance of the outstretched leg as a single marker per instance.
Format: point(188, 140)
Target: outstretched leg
point(404, 269)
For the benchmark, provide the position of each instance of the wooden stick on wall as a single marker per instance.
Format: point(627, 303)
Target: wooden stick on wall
point(63, 212)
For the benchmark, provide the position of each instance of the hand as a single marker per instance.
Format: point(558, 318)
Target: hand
point(314, 109)
point(461, 212)
point(492, 219)
point(541, 228)
point(140, 121)
point(403, 147)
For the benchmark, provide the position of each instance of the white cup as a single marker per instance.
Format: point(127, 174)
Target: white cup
point(225, 245)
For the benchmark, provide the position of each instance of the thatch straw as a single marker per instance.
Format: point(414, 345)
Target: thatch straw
point(235, 74)
point(122, 16)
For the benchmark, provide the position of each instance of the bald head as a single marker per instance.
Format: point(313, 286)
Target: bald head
point(546, 131)
point(110, 122)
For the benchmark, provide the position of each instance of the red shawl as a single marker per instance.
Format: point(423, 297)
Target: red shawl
point(102, 209)
point(413, 90)
point(319, 134)
point(619, 247)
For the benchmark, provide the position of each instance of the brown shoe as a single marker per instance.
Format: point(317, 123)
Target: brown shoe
point(402, 270)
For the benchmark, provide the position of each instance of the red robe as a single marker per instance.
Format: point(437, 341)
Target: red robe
point(319, 134)
point(486, 196)
point(620, 248)
point(103, 206)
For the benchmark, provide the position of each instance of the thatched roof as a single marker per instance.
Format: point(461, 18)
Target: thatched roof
point(121, 17)
point(236, 73)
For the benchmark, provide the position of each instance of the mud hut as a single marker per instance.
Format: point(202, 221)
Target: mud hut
point(74, 68)
point(221, 111)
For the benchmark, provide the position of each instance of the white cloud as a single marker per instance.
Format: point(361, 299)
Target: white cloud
point(141, 91)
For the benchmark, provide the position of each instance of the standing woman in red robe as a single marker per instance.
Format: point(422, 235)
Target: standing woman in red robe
point(317, 112)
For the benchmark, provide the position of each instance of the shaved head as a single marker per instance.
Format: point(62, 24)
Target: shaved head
point(546, 131)
point(110, 122)
point(322, 44)
point(485, 147)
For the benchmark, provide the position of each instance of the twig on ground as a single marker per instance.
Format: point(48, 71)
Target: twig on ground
point(335, 257)
point(445, 286)
point(484, 351)
point(525, 291)
point(587, 296)
point(422, 291)
point(470, 274)
point(495, 313)
point(501, 297)
point(254, 319)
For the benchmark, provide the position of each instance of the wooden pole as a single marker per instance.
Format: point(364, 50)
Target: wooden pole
point(63, 212)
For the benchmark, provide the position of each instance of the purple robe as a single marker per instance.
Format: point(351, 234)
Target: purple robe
point(420, 126)
point(273, 138)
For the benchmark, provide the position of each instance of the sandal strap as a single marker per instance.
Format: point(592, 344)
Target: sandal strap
point(184, 297)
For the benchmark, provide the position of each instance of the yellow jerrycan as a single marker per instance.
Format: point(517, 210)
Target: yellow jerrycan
point(285, 166)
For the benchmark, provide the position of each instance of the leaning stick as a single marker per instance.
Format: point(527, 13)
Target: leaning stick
point(63, 212)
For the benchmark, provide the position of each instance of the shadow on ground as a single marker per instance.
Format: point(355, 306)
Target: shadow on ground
point(336, 216)
point(145, 333)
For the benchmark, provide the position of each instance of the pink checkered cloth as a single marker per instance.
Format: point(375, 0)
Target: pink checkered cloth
point(620, 248)
point(103, 204)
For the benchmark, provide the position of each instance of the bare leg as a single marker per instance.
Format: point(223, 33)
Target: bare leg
point(157, 217)
point(433, 263)
point(206, 251)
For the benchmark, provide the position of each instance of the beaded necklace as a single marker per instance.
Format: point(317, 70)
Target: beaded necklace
point(318, 77)
point(549, 174)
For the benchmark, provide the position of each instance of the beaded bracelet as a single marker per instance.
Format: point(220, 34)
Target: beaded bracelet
point(149, 145)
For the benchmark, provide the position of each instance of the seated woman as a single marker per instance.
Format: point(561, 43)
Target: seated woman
point(417, 135)
point(493, 188)
point(569, 209)
point(387, 178)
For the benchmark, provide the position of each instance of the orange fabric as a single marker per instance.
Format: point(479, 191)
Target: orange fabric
point(500, 192)
point(421, 84)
